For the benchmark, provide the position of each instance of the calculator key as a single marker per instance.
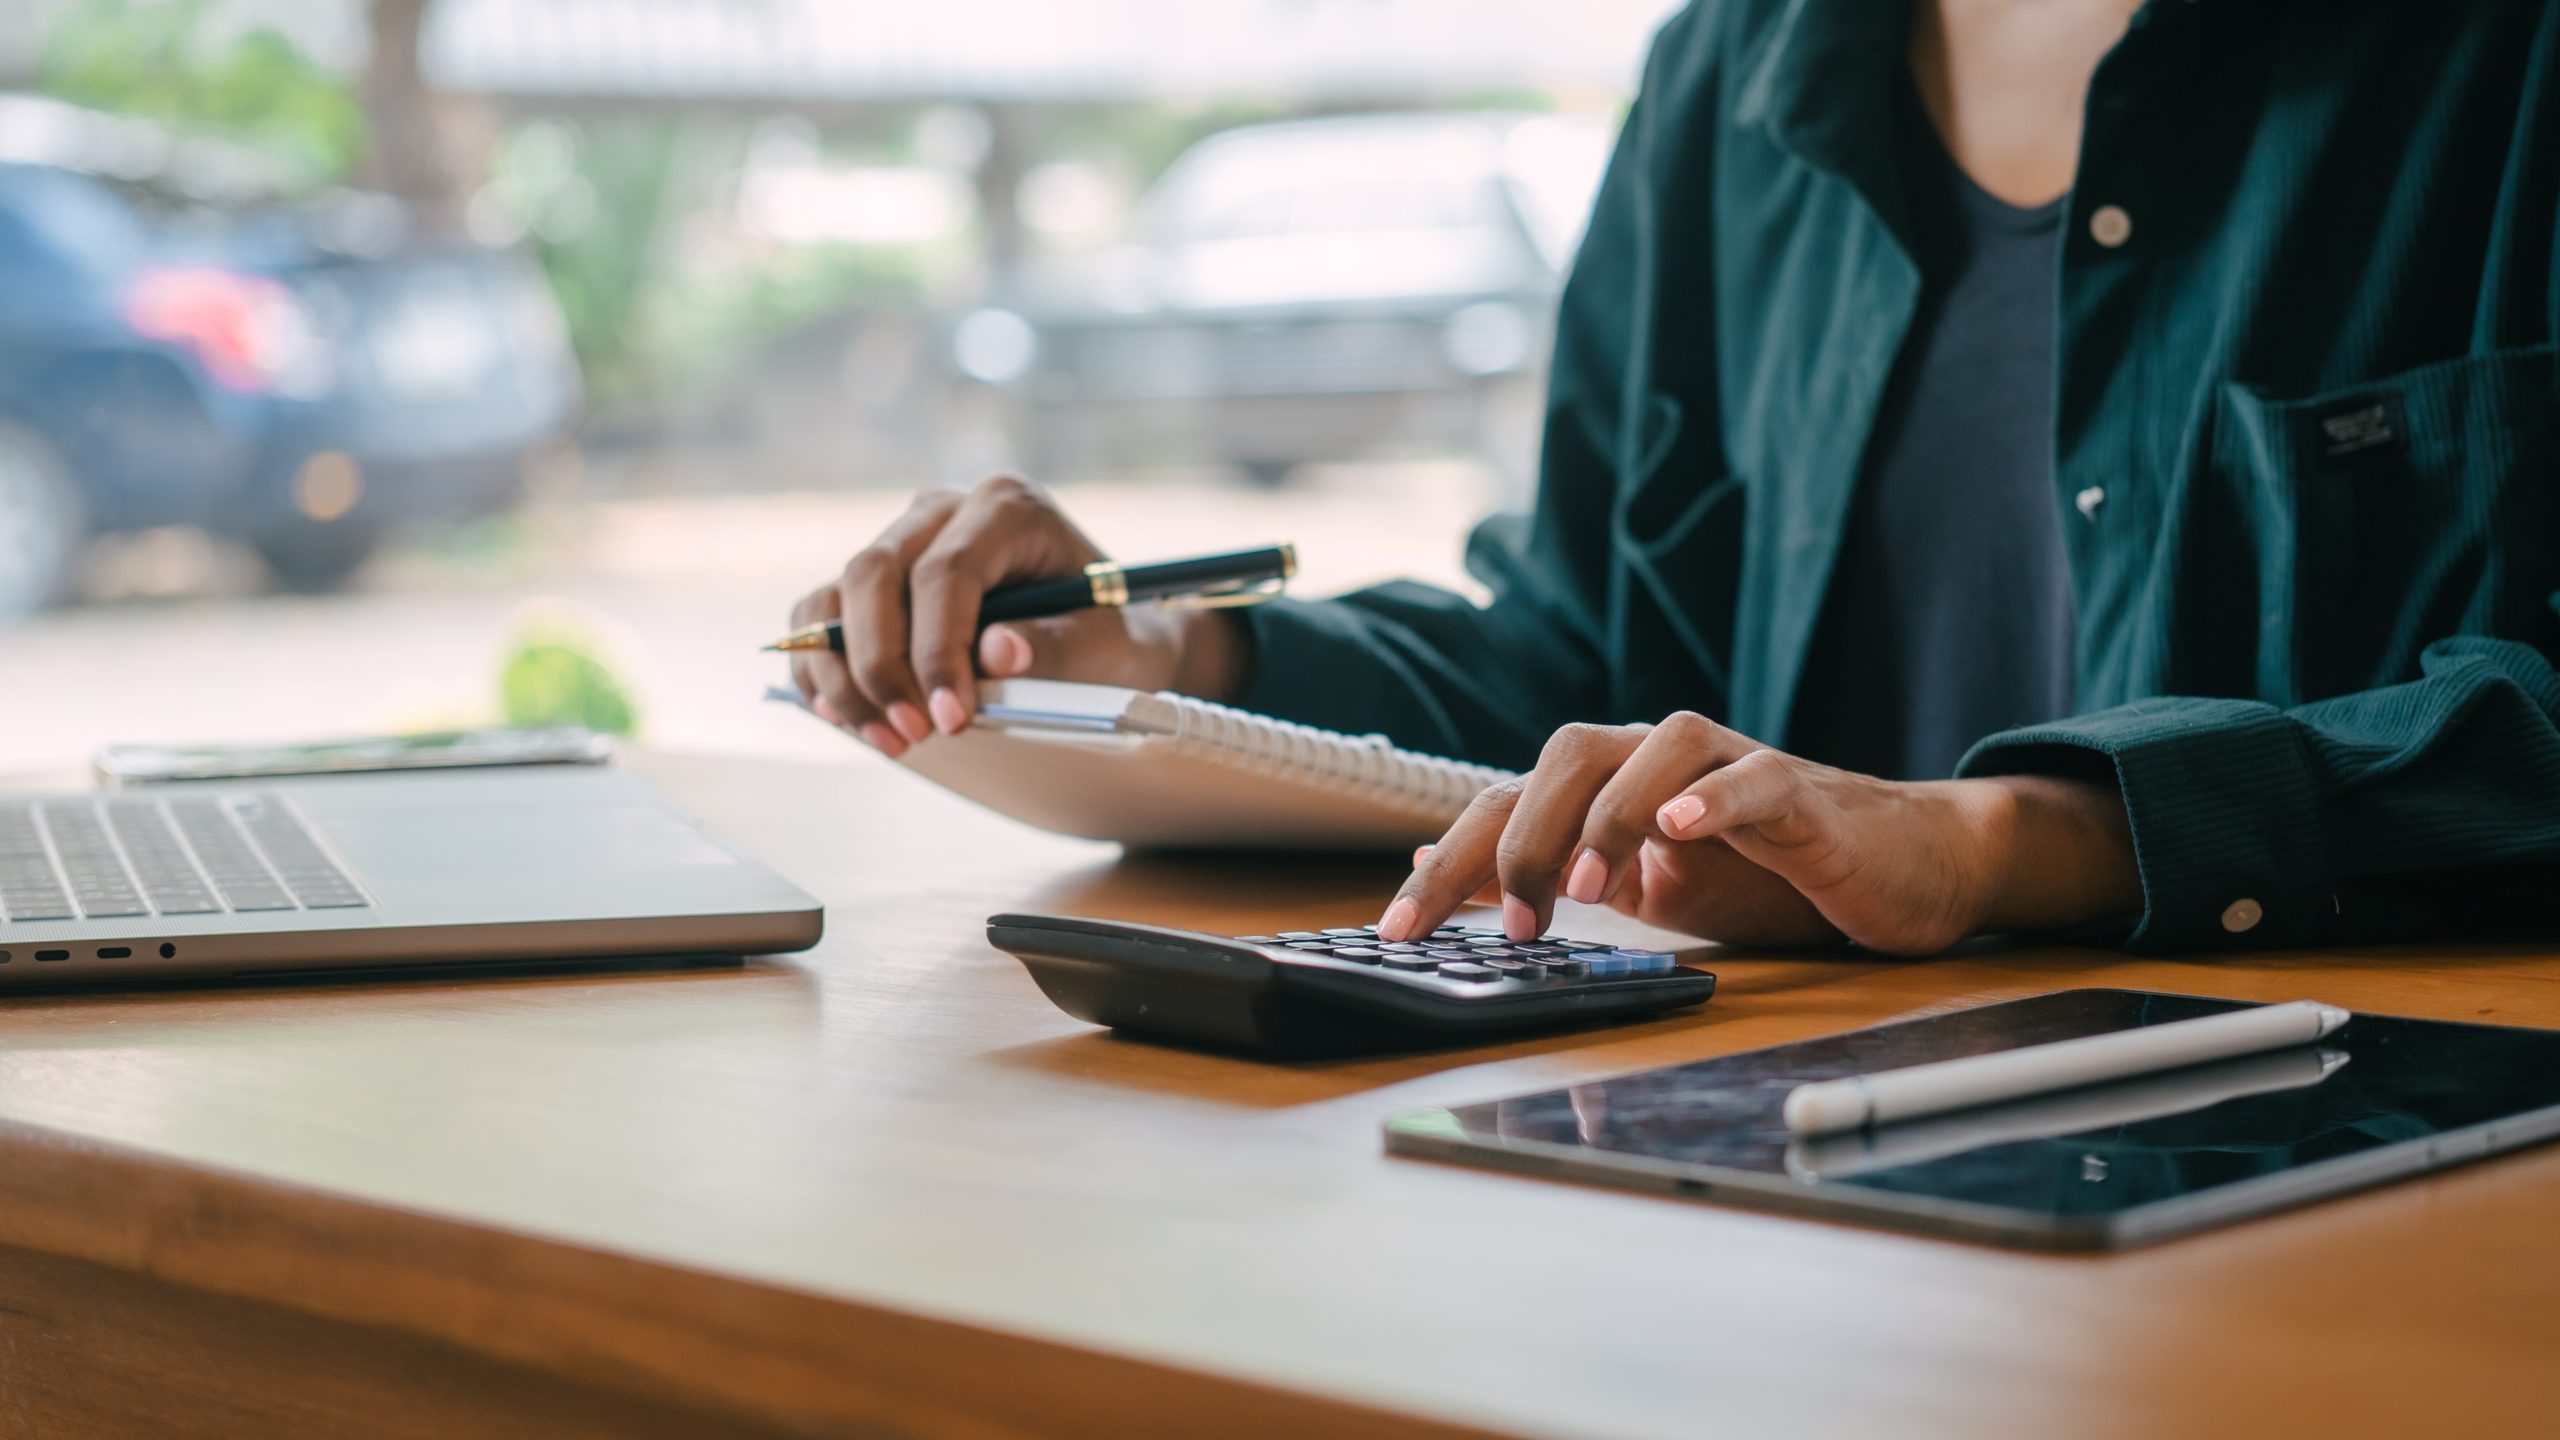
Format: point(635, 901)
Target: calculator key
point(1496, 952)
point(1649, 962)
point(1401, 947)
point(1449, 952)
point(1603, 962)
point(1535, 947)
point(1299, 935)
point(1362, 953)
point(1409, 962)
point(1468, 971)
point(1315, 946)
point(1347, 932)
point(1516, 969)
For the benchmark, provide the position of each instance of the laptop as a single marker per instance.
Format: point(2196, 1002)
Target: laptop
point(288, 876)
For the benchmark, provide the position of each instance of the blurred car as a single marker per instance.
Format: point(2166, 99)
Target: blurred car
point(1308, 290)
point(298, 377)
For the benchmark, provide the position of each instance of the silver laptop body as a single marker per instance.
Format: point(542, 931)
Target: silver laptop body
point(267, 877)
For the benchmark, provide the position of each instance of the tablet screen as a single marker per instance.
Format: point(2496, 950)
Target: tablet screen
point(2106, 1164)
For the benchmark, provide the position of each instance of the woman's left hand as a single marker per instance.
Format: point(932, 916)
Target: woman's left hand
point(1693, 827)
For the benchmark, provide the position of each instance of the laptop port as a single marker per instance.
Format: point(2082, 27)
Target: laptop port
point(168, 951)
point(53, 954)
point(116, 952)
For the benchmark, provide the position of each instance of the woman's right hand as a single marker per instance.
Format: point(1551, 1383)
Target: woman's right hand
point(909, 603)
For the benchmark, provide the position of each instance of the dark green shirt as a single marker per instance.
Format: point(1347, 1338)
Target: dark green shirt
point(2307, 445)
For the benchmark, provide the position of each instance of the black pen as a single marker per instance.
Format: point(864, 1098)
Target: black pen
point(1243, 578)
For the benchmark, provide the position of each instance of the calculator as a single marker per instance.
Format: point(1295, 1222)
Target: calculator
point(1337, 991)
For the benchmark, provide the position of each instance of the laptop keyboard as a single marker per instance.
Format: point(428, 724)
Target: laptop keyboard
point(117, 856)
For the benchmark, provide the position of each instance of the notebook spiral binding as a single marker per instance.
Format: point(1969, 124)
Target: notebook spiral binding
point(1367, 767)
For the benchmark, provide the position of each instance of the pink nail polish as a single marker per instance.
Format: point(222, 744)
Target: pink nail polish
point(909, 721)
point(949, 715)
point(1518, 920)
point(1397, 923)
point(1681, 814)
point(883, 739)
point(1590, 878)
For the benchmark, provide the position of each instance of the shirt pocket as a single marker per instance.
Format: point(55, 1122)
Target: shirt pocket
point(1677, 535)
point(2389, 515)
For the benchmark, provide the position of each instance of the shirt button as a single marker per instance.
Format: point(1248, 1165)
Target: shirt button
point(2110, 226)
point(2242, 916)
point(2088, 501)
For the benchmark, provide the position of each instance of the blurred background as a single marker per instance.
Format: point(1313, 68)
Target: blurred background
point(361, 358)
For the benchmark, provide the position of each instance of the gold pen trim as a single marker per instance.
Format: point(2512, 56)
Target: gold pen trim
point(1110, 584)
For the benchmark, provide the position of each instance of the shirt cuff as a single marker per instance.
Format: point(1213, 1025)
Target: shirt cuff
point(2224, 809)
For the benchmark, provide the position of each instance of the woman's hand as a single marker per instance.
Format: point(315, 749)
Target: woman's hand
point(1692, 827)
point(909, 603)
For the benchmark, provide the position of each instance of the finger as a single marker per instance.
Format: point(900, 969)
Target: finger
point(1623, 815)
point(873, 591)
point(1446, 873)
point(1486, 894)
point(1762, 806)
point(1006, 529)
point(828, 686)
point(1538, 843)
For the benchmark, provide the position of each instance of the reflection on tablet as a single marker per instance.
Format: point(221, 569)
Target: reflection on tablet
point(2070, 1112)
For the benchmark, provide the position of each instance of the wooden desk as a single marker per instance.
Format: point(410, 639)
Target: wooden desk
point(886, 1189)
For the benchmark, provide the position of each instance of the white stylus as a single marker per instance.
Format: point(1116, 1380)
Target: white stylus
point(1828, 1106)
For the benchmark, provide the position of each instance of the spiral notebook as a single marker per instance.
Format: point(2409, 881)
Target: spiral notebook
point(1167, 771)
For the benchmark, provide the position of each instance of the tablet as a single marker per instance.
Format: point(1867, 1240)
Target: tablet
point(2101, 1167)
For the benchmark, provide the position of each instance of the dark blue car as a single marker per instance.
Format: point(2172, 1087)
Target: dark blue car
point(284, 376)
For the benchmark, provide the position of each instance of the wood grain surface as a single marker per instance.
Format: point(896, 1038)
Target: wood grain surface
point(886, 1189)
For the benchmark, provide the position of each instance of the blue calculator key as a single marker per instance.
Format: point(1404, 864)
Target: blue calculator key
point(1603, 962)
point(1649, 962)
point(1465, 970)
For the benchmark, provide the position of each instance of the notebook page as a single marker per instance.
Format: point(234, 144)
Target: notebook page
point(1175, 772)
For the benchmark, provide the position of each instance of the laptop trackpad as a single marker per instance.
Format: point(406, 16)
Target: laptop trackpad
point(472, 841)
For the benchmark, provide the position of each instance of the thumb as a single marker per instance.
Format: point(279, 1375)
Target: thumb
point(1083, 645)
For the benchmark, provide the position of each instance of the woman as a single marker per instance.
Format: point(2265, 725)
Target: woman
point(2037, 463)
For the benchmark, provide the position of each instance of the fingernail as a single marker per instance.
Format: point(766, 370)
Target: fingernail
point(1590, 878)
point(909, 720)
point(818, 705)
point(1398, 921)
point(1004, 652)
point(948, 713)
point(1518, 920)
point(1421, 853)
point(1680, 814)
point(883, 739)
